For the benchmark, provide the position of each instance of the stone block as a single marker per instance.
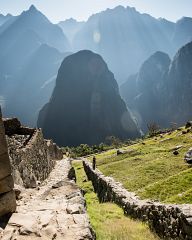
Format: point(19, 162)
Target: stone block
point(12, 125)
point(3, 144)
point(5, 167)
point(6, 184)
point(7, 203)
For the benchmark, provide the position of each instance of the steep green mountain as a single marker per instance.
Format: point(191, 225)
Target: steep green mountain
point(85, 106)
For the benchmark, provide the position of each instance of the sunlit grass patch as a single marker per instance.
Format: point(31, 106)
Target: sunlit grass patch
point(150, 168)
point(108, 219)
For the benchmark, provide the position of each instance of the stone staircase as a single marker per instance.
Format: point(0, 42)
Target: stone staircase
point(53, 210)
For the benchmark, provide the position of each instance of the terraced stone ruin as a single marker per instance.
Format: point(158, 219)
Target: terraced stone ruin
point(49, 204)
point(7, 195)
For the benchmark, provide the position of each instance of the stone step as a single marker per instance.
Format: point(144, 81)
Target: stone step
point(55, 210)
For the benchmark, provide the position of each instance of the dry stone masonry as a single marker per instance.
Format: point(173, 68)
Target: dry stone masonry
point(7, 195)
point(32, 157)
point(54, 210)
point(168, 221)
point(49, 203)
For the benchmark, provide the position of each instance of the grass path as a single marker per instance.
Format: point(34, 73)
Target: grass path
point(108, 219)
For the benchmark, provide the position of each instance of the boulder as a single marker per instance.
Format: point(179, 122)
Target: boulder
point(188, 156)
point(7, 195)
point(176, 153)
point(188, 124)
point(18, 191)
point(72, 174)
point(12, 125)
point(6, 184)
point(119, 152)
point(5, 167)
point(7, 203)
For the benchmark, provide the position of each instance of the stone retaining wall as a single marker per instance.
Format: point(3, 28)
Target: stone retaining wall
point(32, 157)
point(7, 196)
point(168, 221)
point(54, 151)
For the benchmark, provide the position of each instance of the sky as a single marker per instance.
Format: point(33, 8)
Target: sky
point(57, 10)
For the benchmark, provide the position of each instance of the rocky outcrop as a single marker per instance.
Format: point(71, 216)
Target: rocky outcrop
point(168, 221)
point(188, 156)
point(85, 106)
point(32, 157)
point(7, 195)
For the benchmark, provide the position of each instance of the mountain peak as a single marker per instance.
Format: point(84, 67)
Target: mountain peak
point(32, 8)
point(33, 12)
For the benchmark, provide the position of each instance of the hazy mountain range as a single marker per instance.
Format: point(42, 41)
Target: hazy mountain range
point(4, 18)
point(126, 38)
point(161, 91)
point(31, 51)
point(135, 46)
point(70, 28)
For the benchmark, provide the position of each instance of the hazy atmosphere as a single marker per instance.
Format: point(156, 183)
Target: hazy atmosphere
point(95, 119)
point(81, 9)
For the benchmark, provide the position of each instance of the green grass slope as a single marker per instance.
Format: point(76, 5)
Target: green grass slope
point(108, 219)
point(150, 168)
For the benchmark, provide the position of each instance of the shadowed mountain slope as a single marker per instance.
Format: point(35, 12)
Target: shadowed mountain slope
point(85, 106)
point(161, 91)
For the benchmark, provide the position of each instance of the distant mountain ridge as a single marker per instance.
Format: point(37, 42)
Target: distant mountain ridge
point(34, 85)
point(126, 38)
point(26, 40)
point(70, 28)
point(161, 91)
point(4, 18)
point(35, 21)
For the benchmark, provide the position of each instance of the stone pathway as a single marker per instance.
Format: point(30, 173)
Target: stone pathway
point(55, 210)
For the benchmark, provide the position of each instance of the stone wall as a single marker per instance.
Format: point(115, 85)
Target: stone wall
point(13, 126)
point(7, 195)
point(54, 151)
point(168, 221)
point(32, 157)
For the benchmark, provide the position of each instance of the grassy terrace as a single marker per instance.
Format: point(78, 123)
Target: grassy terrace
point(107, 219)
point(150, 168)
